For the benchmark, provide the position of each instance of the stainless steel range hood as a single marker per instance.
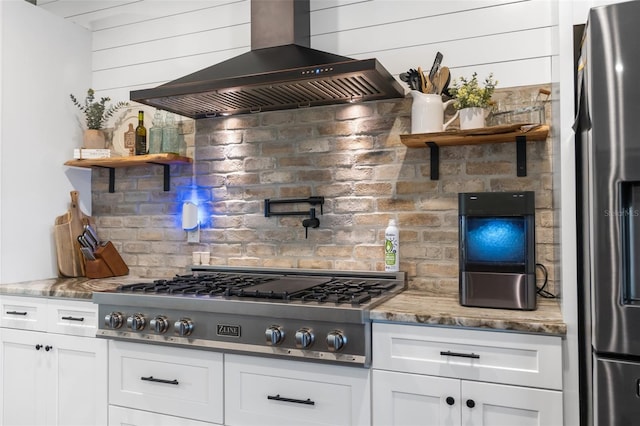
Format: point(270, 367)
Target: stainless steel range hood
point(280, 72)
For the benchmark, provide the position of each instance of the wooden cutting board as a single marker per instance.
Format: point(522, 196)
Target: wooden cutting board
point(67, 228)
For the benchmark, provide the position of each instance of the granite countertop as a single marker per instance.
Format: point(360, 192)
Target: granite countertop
point(75, 288)
point(410, 306)
point(417, 307)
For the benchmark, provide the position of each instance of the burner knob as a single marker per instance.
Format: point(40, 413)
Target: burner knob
point(136, 322)
point(183, 327)
point(304, 338)
point(336, 340)
point(274, 335)
point(113, 320)
point(159, 324)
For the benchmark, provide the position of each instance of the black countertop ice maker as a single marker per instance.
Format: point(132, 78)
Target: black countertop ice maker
point(497, 250)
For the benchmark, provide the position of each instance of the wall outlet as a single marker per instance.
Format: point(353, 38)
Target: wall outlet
point(193, 235)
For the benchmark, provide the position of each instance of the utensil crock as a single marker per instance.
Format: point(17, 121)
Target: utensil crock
point(427, 113)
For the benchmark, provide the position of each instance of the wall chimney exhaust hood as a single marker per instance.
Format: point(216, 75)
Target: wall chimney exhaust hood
point(280, 72)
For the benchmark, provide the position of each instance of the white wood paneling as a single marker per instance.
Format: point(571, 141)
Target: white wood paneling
point(72, 8)
point(140, 44)
point(383, 12)
point(174, 25)
point(103, 14)
point(139, 76)
point(460, 26)
point(162, 50)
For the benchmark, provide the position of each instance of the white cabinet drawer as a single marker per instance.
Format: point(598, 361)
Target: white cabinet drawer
point(498, 357)
point(262, 391)
point(25, 313)
point(78, 318)
point(174, 381)
point(119, 416)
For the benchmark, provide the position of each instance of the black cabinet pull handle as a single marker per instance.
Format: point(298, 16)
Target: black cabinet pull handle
point(307, 401)
point(471, 403)
point(450, 400)
point(73, 318)
point(38, 346)
point(153, 379)
point(48, 348)
point(449, 353)
point(16, 313)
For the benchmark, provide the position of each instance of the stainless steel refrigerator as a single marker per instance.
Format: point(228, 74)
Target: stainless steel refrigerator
point(608, 196)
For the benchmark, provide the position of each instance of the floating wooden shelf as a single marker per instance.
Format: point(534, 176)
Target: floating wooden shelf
point(164, 160)
point(518, 133)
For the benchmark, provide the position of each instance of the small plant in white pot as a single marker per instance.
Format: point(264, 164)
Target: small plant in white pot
point(96, 114)
point(471, 99)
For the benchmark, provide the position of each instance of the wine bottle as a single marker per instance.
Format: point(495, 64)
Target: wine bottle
point(141, 135)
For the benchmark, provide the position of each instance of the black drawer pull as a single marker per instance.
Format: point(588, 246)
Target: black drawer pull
point(307, 401)
point(16, 313)
point(449, 353)
point(73, 318)
point(153, 379)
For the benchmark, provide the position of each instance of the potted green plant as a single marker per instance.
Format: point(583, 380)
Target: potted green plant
point(471, 99)
point(96, 113)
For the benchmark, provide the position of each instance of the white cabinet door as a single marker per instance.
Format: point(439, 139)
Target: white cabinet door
point(402, 399)
point(265, 392)
point(487, 404)
point(24, 372)
point(53, 379)
point(173, 381)
point(78, 318)
point(78, 381)
point(119, 416)
point(25, 313)
point(487, 356)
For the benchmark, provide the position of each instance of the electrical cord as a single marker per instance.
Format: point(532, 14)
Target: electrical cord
point(540, 290)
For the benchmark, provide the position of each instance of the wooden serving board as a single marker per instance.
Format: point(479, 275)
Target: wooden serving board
point(67, 227)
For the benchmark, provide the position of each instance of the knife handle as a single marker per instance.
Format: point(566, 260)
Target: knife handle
point(93, 234)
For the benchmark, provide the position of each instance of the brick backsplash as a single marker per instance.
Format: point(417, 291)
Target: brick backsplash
point(351, 155)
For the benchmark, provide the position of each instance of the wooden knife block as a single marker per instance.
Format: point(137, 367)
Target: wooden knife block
point(108, 263)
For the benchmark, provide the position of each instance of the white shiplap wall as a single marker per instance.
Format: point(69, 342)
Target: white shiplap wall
point(140, 44)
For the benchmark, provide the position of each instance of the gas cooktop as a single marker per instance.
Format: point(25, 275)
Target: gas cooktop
point(312, 314)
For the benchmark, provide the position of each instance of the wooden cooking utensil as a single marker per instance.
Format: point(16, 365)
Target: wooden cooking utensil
point(442, 80)
point(425, 83)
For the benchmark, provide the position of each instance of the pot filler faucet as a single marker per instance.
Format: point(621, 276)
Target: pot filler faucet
point(311, 222)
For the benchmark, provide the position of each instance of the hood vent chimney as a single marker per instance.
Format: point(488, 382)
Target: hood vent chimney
point(280, 72)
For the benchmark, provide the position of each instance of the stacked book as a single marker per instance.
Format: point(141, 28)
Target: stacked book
point(91, 154)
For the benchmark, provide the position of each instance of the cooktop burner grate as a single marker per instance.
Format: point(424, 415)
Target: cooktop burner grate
point(303, 289)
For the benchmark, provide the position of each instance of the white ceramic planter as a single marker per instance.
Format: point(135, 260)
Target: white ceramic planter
point(472, 118)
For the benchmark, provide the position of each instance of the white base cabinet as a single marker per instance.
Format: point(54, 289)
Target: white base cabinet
point(265, 392)
point(49, 378)
point(439, 376)
point(120, 416)
point(170, 381)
